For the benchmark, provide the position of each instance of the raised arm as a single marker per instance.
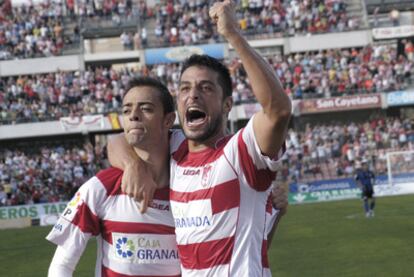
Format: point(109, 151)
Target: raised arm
point(137, 180)
point(270, 124)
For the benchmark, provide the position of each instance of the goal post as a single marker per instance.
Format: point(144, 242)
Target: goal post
point(399, 162)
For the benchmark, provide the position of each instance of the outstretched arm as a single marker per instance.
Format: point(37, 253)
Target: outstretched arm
point(137, 180)
point(270, 124)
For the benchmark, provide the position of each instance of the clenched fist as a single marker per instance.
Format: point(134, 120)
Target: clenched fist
point(223, 14)
point(280, 199)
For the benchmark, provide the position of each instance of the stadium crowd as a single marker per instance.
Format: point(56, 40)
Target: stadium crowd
point(48, 174)
point(115, 10)
point(33, 30)
point(336, 150)
point(337, 72)
point(319, 152)
point(187, 21)
point(54, 95)
point(29, 32)
point(303, 75)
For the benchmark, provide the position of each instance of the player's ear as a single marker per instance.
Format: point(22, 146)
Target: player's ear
point(227, 104)
point(169, 120)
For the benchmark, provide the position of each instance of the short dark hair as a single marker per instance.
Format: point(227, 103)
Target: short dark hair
point(223, 73)
point(165, 96)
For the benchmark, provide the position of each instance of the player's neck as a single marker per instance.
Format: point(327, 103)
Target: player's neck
point(211, 142)
point(157, 159)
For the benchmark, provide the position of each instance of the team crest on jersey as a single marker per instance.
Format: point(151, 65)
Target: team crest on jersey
point(72, 207)
point(205, 176)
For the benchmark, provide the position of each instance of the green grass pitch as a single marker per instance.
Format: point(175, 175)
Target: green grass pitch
point(324, 239)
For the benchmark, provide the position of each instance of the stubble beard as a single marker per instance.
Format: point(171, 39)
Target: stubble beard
point(212, 129)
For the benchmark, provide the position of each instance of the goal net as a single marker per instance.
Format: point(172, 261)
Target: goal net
point(399, 165)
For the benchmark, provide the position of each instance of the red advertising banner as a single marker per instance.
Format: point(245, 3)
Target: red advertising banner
point(356, 102)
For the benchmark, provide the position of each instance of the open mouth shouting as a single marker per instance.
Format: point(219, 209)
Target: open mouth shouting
point(195, 117)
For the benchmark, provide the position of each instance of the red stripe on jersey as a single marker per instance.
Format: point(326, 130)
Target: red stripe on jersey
point(162, 194)
point(258, 179)
point(106, 272)
point(269, 204)
point(223, 197)
point(86, 220)
point(184, 158)
point(206, 254)
point(265, 261)
point(111, 179)
point(109, 227)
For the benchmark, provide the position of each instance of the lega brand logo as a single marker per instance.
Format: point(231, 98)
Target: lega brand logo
point(125, 247)
point(191, 172)
point(158, 206)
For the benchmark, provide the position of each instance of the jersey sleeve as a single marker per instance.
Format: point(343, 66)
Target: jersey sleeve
point(79, 221)
point(62, 265)
point(245, 154)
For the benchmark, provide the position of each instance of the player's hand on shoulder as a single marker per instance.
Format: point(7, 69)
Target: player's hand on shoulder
point(138, 183)
point(280, 199)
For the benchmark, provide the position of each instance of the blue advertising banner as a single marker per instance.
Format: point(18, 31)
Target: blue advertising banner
point(400, 98)
point(346, 183)
point(178, 54)
point(340, 189)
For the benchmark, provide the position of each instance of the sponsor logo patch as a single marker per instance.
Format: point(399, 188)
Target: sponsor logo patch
point(194, 214)
point(144, 248)
point(72, 207)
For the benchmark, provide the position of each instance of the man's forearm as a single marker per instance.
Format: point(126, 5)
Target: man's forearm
point(120, 153)
point(137, 180)
point(264, 82)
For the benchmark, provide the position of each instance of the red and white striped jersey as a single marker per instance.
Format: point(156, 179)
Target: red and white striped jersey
point(218, 199)
point(129, 243)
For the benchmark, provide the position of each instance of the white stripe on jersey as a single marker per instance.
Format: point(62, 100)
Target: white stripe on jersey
point(267, 272)
point(227, 221)
point(152, 215)
point(190, 183)
point(220, 270)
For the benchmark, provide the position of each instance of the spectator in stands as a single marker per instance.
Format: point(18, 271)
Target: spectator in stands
point(3, 196)
point(395, 17)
